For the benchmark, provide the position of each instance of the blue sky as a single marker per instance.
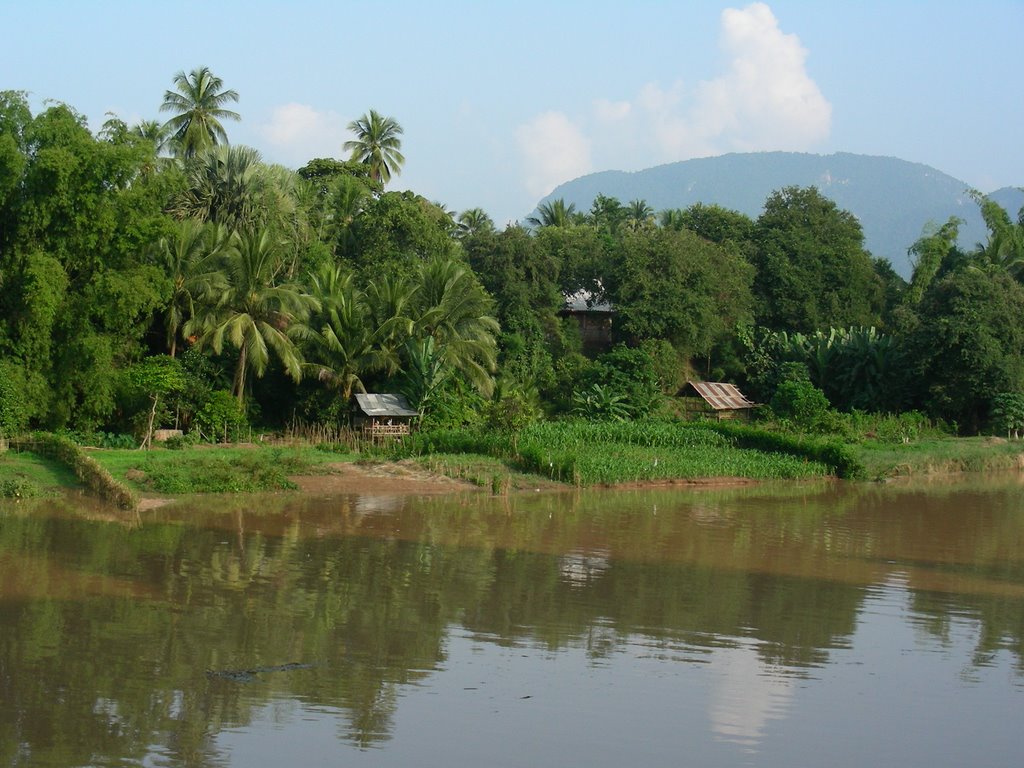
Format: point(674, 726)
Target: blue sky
point(500, 102)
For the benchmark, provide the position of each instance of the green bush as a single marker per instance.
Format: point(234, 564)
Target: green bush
point(221, 418)
point(14, 406)
point(18, 488)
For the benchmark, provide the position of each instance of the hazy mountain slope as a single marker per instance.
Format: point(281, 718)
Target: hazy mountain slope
point(894, 199)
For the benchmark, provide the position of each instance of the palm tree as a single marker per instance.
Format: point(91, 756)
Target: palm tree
point(553, 214)
point(474, 221)
point(377, 145)
point(451, 307)
point(190, 259)
point(638, 214)
point(255, 311)
point(345, 341)
point(223, 185)
point(198, 107)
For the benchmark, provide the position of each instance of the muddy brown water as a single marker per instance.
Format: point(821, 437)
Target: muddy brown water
point(792, 625)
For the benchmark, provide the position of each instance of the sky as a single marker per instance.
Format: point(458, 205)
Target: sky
point(501, 102)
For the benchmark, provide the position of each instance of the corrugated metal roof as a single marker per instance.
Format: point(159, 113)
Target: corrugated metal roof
point(385, 405)
point(721, 396)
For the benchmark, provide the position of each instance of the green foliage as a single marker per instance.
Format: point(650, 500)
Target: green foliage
point(677, 286)
point(254, 471)
point(812, 269)
point(377, 145)
point(1007, 414)
point(589, 452)
point(14, 404)
point(600, 404)
point(967, 345)
point(18, 488)
point(198, 107)
point(221, 418)
point(800, 403)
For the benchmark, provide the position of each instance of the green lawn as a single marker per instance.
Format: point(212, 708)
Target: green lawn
point(28, 474)
point(213, 469)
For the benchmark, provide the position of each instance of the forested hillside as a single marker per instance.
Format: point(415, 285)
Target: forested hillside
point(893, 199)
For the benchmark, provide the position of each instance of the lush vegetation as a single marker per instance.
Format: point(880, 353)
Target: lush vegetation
point(156, 276)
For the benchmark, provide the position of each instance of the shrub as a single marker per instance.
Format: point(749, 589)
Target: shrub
point(221, 417)
point(14, 406)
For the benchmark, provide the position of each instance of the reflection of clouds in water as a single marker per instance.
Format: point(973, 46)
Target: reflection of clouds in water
point(745, 696)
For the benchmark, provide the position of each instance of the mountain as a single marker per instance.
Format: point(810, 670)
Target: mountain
point(893, 199)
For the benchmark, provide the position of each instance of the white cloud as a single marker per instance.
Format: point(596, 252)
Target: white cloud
point(766, 100)
point(763, 99)
point(296, 133)
point(611, 111)
point(554, 150)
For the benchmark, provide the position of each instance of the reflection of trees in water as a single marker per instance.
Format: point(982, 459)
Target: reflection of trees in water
point(369, 592)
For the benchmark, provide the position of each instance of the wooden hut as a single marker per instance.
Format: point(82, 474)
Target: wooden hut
point(716, 400)
point(594, 319)
point(382, 416)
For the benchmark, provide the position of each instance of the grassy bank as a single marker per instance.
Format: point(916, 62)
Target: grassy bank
point(213, 469)
point(26, 475)
point(933, 456)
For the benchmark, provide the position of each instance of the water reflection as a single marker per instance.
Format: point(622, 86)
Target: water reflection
point(743, 599)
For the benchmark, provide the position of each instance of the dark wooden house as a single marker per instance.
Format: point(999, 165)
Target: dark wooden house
point(383, 416)
point(714, 400)
point(594, 319)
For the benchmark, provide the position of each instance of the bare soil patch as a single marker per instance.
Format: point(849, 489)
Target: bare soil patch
point(397, 477)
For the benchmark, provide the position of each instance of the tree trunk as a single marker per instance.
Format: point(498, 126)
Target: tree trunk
point(240, 377)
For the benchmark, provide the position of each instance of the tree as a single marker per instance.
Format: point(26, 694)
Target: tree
point(554, 213)
point(679, 287)
point(451, 307)
point(198, 107)
point(1004, 249)
point(346, 343)
point(155, 377)
point(638, 214)
point(255, 311)
point(929, 254)
point(377, 145)
point(190, 257)
point(474, 221)
point(812, 270)
point(968, 346)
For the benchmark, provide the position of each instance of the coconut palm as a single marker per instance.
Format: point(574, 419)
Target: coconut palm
point(377, 145)
point(474, 221)
point(638, 214)
point(554, 213)
point(190, 258)
point(198, 107)
point(345, 341)
point(451, 307)
point(255, 311)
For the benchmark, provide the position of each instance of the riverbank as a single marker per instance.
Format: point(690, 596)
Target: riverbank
point(436, 465)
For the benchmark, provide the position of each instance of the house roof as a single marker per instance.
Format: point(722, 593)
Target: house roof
point(720, 396)
point(583, 301)
point(385, 405)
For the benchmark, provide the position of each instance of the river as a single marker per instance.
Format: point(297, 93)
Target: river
point(784, 626)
